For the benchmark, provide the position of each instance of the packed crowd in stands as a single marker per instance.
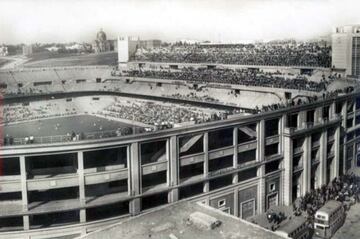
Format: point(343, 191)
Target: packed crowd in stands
point(194, 97)
point(247, 77)
point(159, 115)
point(314, 54)
point(310, 99)
point(345, 189)
point(23, 112)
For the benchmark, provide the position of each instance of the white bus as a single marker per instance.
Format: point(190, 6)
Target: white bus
point(328, 219)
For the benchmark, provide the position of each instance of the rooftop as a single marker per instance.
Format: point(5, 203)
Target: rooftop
point(172, 222)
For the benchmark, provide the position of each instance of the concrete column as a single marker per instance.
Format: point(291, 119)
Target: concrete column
point(236, 202)
point(282, 124)
point(235, 157)
point(306, 165)
point(344, 114)
point(332, 110)
point(135, 175)
point(288, 170)
point(323, 158)
point(260, 149)
point(206, 161)
point(24, 195)
point(261, 191)
point(261, 169)
point(173, 168)
point(318, 115)
point(82, 197)
point(344, 153)
point(301, 119)
point(336, 161)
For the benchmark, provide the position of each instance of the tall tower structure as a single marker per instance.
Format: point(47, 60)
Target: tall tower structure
point(126, 48)
point(346, 49)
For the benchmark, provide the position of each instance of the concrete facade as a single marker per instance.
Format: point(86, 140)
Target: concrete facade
point(243, 174)
point(346, 50)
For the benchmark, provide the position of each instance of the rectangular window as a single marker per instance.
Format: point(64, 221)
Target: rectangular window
point(355, 67)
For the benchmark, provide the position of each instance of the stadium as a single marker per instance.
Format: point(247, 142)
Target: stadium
point(226, 125)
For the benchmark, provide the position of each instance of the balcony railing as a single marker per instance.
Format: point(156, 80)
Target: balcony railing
point(309, 125)
point(298, 168)
point(298, 150)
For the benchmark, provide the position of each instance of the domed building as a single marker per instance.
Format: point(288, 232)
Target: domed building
point(101, 44)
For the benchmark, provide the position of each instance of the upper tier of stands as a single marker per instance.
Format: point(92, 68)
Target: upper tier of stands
point(247, 77)
point(311, 54)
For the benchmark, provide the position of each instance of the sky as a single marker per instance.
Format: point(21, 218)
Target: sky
point(45, 21)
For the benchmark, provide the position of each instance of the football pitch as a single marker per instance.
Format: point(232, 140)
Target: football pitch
point(62, 126)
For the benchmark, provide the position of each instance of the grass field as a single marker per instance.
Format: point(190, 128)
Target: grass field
point(62, 126)
point(48, 59)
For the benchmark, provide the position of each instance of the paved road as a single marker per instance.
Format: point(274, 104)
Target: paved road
point(350, 229)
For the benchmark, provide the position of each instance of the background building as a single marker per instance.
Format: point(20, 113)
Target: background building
point(147, 44)
point(27, 50)
point(127, 47)
point(346, 49)
point(101, 44)
point(4, 50)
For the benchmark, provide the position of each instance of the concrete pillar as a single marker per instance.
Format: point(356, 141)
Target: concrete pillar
point(260, 129)
point(306, 165)
point(336, 161)
point(24, 195)
point(135, 175)
point(282, 121)
point(332, 110)
point(282, 125)
point(288, 170)
point(323, 158)
point(236, 202)
point(260, 149)
point(206, 161)
point(82, 197)
point(344, 114)
point(173, 168)
point(318, 115)
point(235, 157)
point(301, 119)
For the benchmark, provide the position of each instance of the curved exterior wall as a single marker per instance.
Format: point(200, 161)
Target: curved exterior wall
point(226, 169)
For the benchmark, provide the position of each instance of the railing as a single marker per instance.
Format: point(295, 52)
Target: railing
point(298, 150)
point(297, 168)
point(309, 125)
point(315, 160)
point(331, 153)
point(69, 138)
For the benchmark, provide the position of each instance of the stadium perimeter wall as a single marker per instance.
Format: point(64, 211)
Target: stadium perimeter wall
point(248, 185)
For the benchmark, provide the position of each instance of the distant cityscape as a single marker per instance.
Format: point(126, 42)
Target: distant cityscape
point(98, 45)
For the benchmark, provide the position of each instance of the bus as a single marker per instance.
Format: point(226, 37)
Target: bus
point(328, 219)
point(295, 228)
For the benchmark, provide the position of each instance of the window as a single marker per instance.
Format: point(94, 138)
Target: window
point(222, 203)
point(272, 187)
point(226, 210)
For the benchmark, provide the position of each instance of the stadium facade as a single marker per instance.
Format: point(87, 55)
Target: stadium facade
point(242, 165)
point(265, 159)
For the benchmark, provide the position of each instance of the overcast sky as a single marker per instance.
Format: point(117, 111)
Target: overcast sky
point(29, 21)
